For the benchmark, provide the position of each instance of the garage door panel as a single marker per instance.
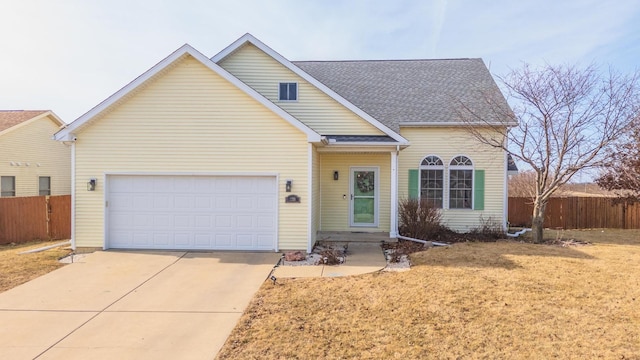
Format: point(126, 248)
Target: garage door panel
point(120, 202)
point(265, 240)
point(245, 221)
point(266, 203)
point(203, 202)
point(192, 212)
point(244, 240)
point(181, 240)
point(223, 240)
point(161, 239)
point(223, 221)
point(245, 202)
point(161, 201)
point(142, 239)
point(143, 220)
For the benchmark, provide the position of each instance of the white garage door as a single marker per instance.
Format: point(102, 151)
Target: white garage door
point(192, 212)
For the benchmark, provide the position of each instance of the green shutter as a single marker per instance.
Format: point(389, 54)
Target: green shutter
point(413, 183)
point(478, 186)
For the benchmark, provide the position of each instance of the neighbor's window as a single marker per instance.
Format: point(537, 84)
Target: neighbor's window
point(7, 186)
point(288, 92)
point(460, 183)
point(44, 186)
point(432, 180)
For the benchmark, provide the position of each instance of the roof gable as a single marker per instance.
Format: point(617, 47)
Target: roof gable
point(250, 39)
point(411, 92)
point(67, 134)
point(11, 119)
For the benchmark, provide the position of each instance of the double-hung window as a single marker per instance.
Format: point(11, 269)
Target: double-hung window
point(432, 180)
point(7, 186)
point(288, 91)
point(461, 183)
point(44, 185)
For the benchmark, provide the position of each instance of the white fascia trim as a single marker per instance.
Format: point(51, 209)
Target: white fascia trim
point(184, 50)
point(364, 143)
point(288, 64)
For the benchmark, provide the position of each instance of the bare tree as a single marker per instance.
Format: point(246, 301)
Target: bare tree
point(566, 118)
point(622, 173)
point(523, 184)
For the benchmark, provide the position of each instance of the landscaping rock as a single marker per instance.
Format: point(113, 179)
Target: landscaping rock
point(294, 256)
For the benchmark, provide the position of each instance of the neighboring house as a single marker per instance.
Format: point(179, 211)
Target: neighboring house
point(249, 151)
point(31, 162)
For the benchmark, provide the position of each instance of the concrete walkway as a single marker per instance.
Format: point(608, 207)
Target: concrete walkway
point(362, 258)
point(132, 305)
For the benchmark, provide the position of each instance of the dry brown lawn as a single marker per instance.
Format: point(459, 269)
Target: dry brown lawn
point(16, 269)
point(506, 300)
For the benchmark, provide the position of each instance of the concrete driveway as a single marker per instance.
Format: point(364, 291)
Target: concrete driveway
point(132, 305)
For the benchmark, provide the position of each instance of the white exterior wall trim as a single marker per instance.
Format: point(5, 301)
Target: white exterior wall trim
point(66, 133)
point(73, 195)
point(310, 203)
point(505, 218)
point(393, 225)
point(248, 38)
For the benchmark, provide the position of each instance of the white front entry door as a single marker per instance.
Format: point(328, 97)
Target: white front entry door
point(364, 196)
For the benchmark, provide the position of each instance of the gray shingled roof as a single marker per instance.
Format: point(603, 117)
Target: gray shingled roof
point(361, 138)
point(410, 91)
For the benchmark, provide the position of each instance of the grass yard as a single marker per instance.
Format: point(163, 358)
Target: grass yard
point(16, 269)
point(504, 300)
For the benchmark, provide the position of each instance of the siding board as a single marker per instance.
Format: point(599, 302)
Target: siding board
point(190, 120)
point(314, 108)
point(32, 144)
point(335, 209)
point(448, 142)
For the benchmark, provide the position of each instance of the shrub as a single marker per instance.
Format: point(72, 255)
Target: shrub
point(419, 219)
point(488, 230)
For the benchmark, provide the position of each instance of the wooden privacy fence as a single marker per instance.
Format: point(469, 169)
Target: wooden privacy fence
point(577, 213)
point(24, 219)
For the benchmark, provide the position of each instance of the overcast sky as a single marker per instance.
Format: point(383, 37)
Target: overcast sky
point(68, 55)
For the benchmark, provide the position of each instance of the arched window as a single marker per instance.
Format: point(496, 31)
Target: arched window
point(432, 180)
point(460, 183)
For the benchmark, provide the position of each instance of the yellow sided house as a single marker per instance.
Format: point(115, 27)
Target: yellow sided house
point(250, 151)
point(31, 162)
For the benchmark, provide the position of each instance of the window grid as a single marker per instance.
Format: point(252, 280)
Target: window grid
point(288, 92)
point(460, 189)
point(431, 187)
point(432, 180)
point(44, 185)
point(461, 183)
point(7, 186)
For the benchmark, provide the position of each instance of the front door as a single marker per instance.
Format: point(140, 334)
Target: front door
point(364, 196)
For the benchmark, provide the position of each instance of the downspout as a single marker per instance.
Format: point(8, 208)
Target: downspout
point(434, 243)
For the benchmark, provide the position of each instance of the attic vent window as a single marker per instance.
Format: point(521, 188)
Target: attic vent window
point(288, 92)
